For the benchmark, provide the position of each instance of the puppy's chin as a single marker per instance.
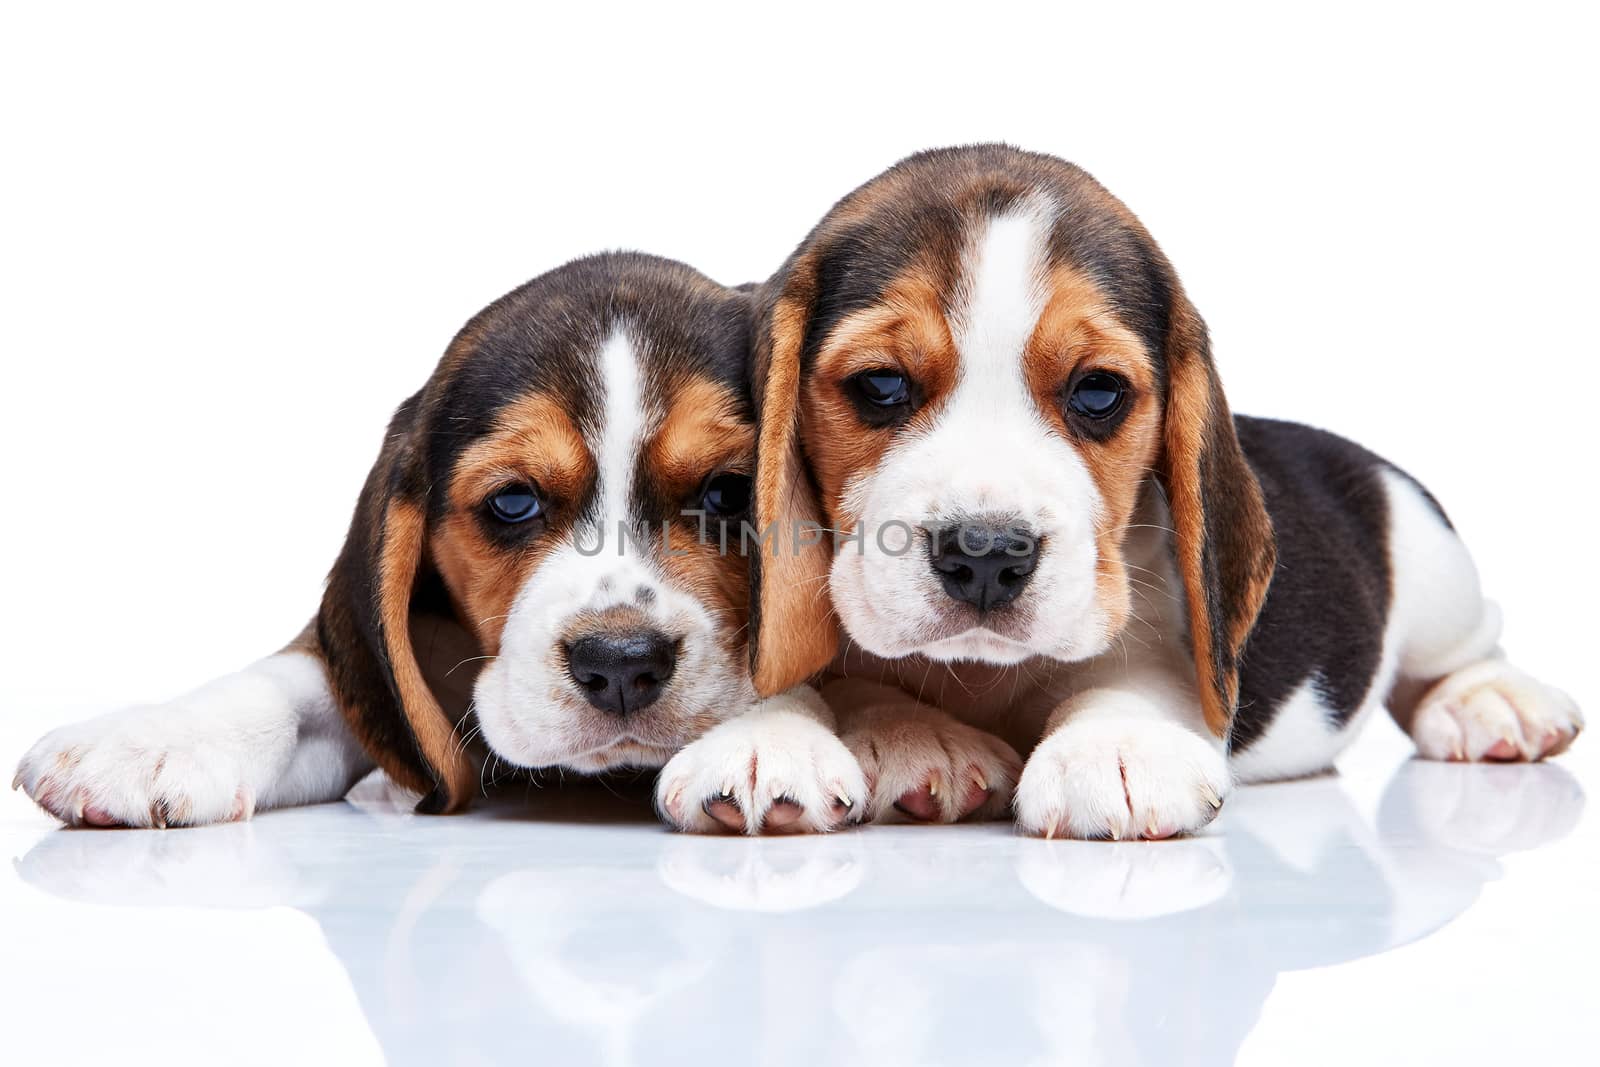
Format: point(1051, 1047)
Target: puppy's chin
point(978, 645)
point(944, 641)
point(580, 741)
point(620, 755)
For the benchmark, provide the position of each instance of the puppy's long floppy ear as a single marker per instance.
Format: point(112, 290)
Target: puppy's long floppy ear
point(364, 628)
point(793, 630)
point(1224, 541)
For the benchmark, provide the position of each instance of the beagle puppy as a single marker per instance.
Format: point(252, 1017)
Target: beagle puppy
point(1049, 536)
point(535, 576)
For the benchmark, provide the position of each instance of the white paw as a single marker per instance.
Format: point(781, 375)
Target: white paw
point(766, 771)
point(923, 765)
point(1121, 777)
point(1493, 711)
point(142, 767)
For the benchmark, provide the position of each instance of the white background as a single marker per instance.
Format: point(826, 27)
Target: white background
point(233, 242)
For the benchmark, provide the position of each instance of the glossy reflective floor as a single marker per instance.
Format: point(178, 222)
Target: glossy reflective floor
point(1399, 912)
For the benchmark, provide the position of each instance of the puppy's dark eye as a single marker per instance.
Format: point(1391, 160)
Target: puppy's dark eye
point(882, 397)
point(726, 494)
point(516, 503)
point(884, 388)
point(1097, 395)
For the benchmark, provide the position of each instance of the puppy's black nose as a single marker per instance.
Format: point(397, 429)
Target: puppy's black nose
point(985, 566)
point(622, 674)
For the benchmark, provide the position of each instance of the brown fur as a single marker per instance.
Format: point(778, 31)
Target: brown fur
point(703, 431)
point(1224, 540)
point(403, 538)
point(789, 585)
point(533, 440)
point(906, 332)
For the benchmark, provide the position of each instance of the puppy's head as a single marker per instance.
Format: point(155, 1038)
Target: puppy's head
point(550, 510)
point(972, 367)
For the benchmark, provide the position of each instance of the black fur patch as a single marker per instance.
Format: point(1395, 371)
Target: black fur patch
point(1328, 604)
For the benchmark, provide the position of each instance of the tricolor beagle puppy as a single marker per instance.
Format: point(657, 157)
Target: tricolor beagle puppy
point(1050, 536)
point(535, 576)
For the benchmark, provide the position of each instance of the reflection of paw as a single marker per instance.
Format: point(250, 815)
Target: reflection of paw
point(157, 766)
point(1489, 809)
point(775, 875)
point(1493, 711)
point(925, 766)
point(1116, 777)
point(1126, 881)
point(240, 865)
point(767, 771)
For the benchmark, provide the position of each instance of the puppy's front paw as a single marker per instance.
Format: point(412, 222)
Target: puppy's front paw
point(142, 767)
point(923, 765)
point(1493, 711)
point(767, 771)
point(1108, 776)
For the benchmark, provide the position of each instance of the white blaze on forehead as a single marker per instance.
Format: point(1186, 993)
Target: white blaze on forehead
point(989, 450)
point(624, 423)
point(1004, 284)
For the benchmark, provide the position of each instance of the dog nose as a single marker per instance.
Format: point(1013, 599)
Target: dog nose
point(985, 566)
point(624, 674)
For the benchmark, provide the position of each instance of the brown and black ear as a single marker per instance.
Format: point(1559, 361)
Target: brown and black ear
point(793, 630)
point(1224, 541)
point(364, 628)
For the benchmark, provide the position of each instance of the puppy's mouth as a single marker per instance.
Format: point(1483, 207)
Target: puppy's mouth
point(622, 753)
point(980, 644)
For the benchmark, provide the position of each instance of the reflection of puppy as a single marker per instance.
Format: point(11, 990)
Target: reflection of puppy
point(489, 934)
point(981, 369)
point(551, 504)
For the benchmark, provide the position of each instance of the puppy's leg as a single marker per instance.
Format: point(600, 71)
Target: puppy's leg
point(1455, 694)
point(921, 764)
point(269, 736)
point(777, 768)
point(1132, 758)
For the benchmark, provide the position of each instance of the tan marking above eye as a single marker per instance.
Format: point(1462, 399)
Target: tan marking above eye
point(533, 439)
point(1079, 330)
point(704, 432)
point(906, 330)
